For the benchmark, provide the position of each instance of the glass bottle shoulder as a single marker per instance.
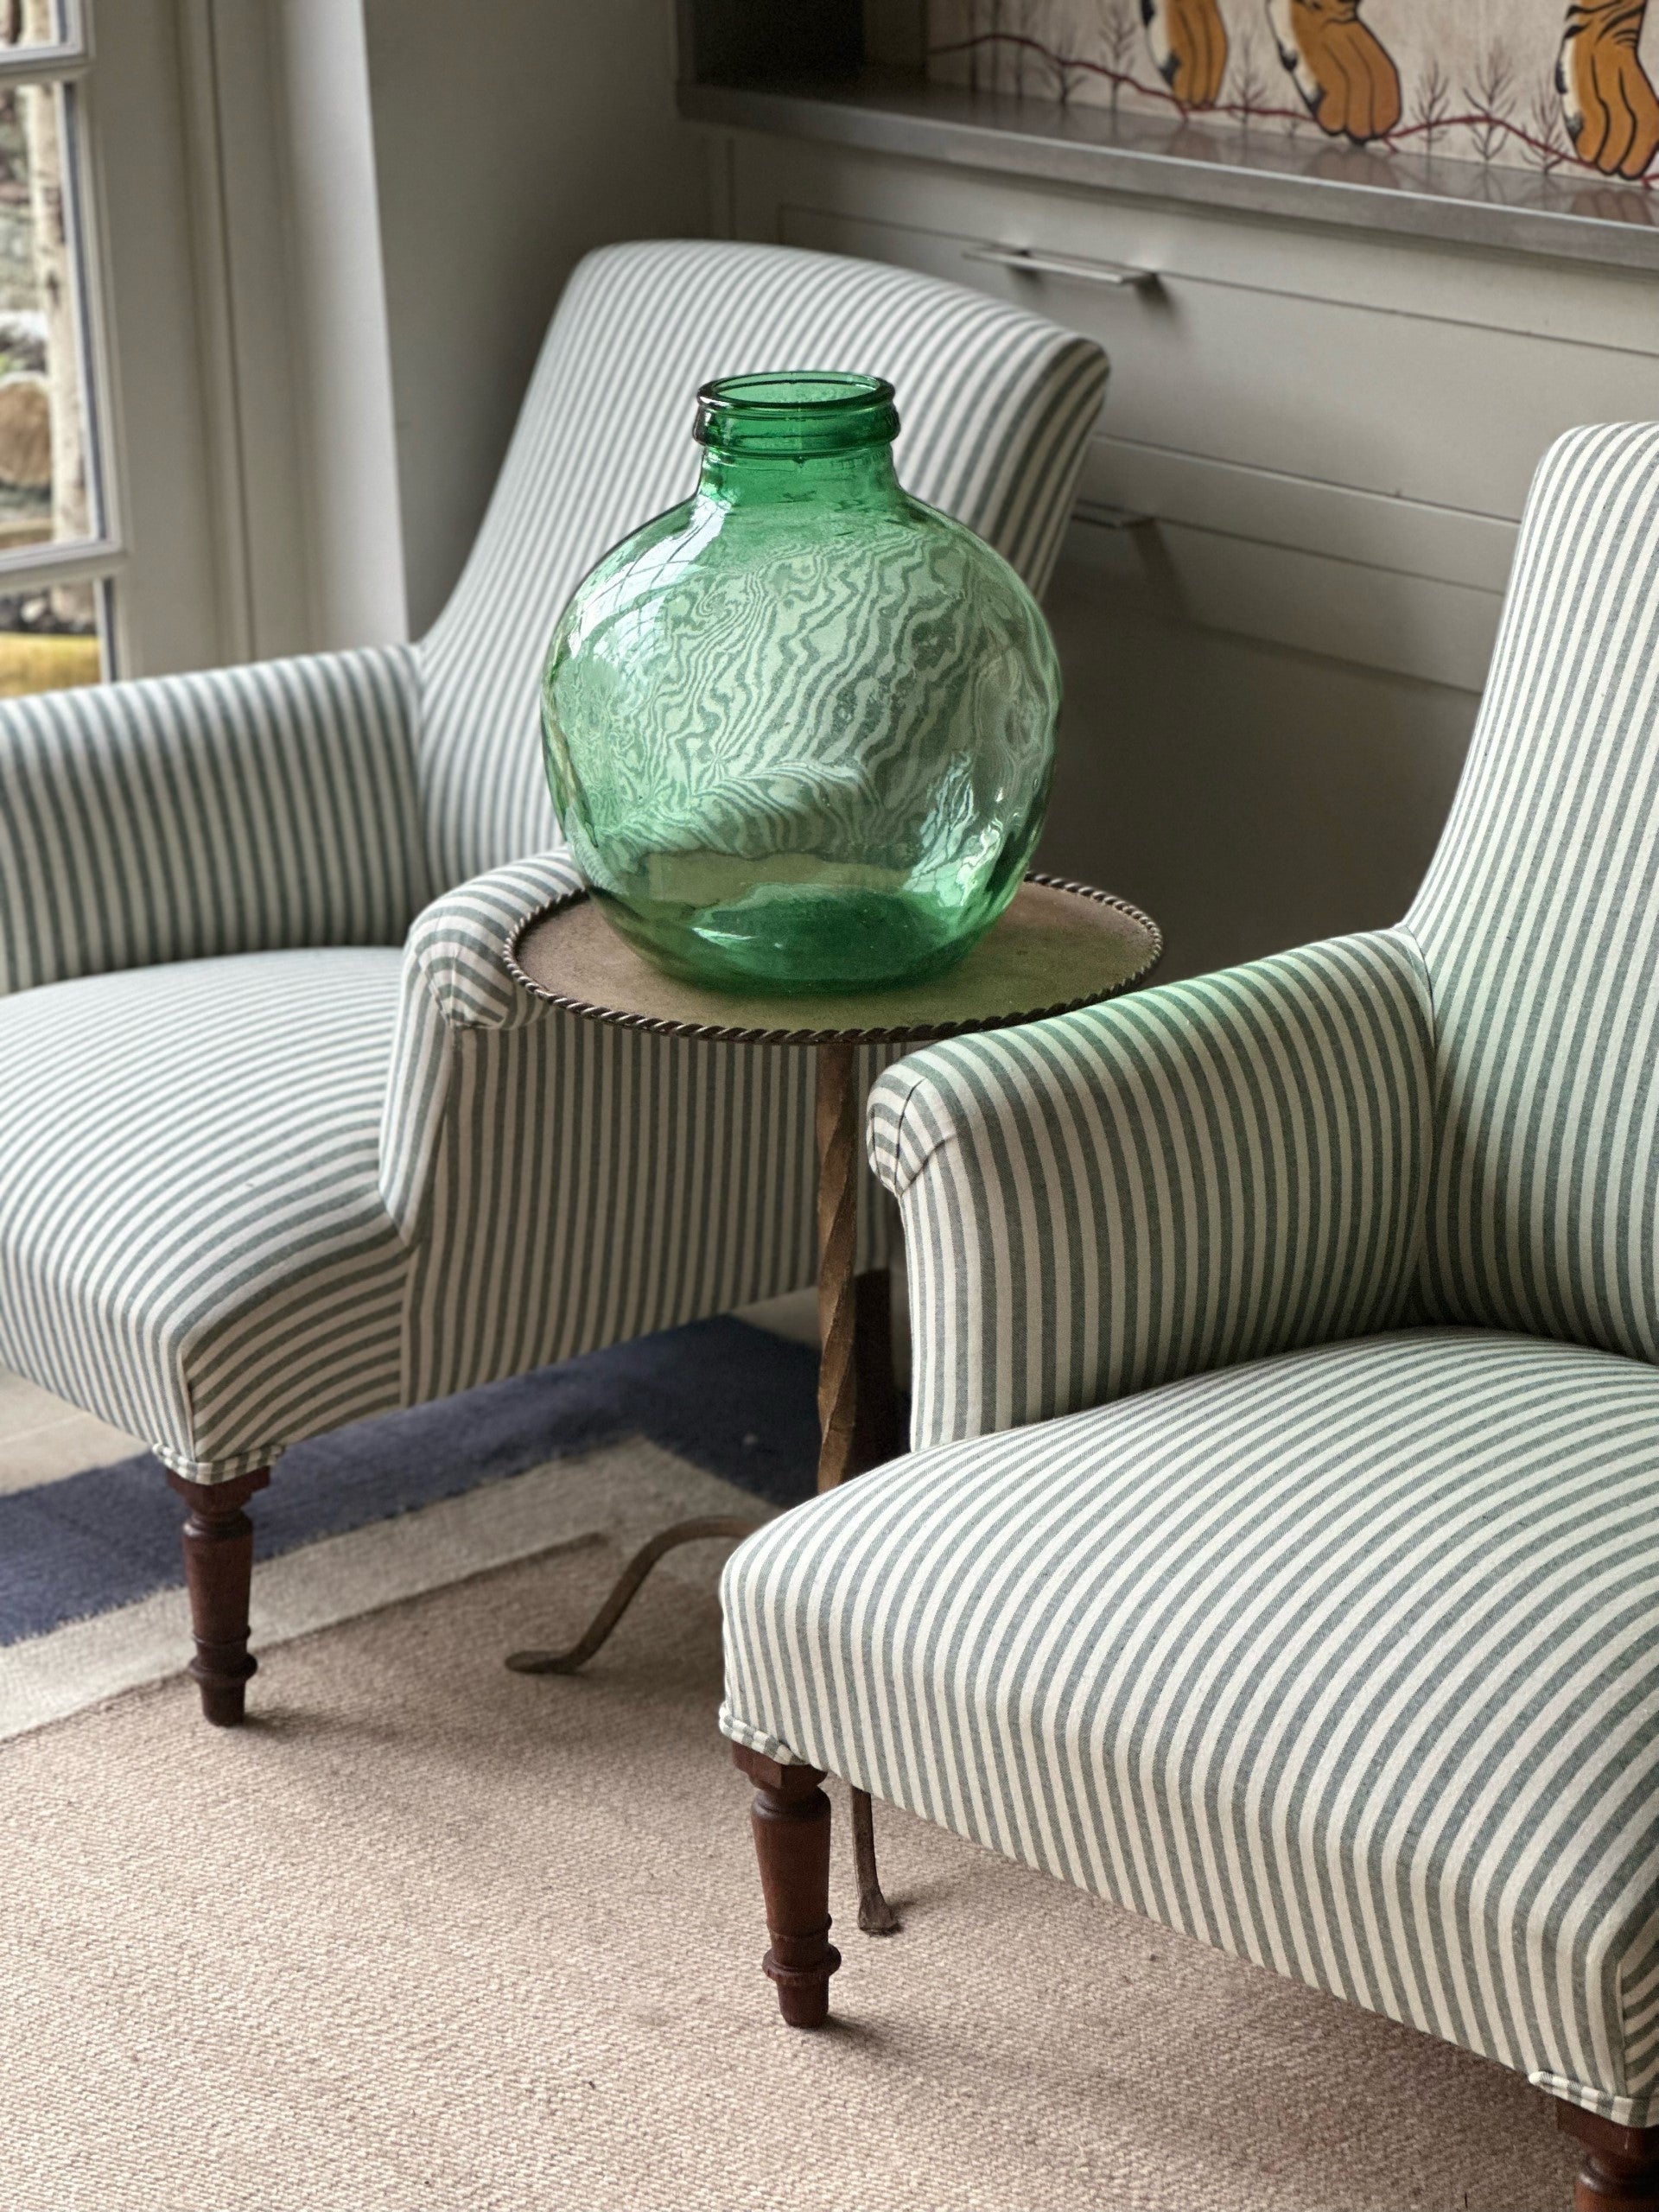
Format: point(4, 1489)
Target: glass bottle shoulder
point(704, 550)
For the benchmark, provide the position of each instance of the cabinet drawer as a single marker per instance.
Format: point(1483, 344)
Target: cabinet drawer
point(1447, 413)
point(1317, 473)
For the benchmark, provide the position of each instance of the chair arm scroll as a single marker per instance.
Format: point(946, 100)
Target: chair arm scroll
point(1195, 1175)
point(457, 944)
point(457, 985)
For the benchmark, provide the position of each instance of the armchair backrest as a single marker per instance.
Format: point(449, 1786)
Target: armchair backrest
point(997, 407)
point(1539, 921)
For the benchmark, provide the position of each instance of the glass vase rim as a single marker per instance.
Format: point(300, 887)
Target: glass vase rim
point(795, 414)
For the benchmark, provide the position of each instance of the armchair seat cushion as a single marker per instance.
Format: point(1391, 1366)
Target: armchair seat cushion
point(1346, 1661)
point(193, 1242)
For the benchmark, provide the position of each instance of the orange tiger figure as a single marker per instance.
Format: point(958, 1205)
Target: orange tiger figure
point(1189, 47)
point(1345, 74)
point(1610, 108)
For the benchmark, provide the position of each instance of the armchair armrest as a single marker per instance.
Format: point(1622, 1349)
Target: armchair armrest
point(456, 981)
point(456, 943)
point(1196, 1175)
point(239, 810)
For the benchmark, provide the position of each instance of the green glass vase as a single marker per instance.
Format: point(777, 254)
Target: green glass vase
point(800, 730)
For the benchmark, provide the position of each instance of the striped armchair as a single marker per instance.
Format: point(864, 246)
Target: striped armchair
point(1279, 1553)
point(281, 1145)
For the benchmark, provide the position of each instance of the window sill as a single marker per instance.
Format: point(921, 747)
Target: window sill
point(1220, 166)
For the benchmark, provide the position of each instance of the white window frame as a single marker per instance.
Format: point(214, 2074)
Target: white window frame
point(232, 331)
point(101, 559)
point(292, 308)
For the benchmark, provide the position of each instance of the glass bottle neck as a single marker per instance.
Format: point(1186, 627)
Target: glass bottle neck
point(862, 479)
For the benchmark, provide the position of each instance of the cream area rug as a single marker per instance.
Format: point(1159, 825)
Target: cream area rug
point(427, 1933)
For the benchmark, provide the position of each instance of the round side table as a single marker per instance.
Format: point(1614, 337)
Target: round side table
point(1058, 947)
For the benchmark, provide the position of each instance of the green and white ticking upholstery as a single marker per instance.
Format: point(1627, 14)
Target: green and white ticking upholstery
point(280, 1144)
point(1281, 1553)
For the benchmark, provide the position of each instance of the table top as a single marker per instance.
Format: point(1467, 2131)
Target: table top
point(1057, 946)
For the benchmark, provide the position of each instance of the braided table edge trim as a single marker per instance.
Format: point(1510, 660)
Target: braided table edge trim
point(917, 1033)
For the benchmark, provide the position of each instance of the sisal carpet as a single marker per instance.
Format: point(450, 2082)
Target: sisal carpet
point(429, 1934)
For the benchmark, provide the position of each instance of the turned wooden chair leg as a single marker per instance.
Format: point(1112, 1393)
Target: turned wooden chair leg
point(790, 1820)
point(218, 1574)
point(1620, 2171)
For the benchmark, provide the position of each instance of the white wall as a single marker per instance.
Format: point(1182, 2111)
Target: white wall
point(341, 364)
point(1249, 795)
point(511, 136)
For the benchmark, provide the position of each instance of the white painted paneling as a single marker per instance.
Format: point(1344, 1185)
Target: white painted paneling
point(1427, 280)
point(1346, 610)
point(511, 137)
point(1269, 688)
point(1284, 400)
point(1351, 395)
point(1250, 795)
point(1414, 537)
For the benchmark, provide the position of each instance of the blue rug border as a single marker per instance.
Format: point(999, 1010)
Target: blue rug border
point(730, 1397)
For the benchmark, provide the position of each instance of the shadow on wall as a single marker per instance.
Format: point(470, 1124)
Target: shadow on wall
point(1247, 796)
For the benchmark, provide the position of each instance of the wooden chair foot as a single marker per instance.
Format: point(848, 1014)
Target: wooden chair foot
point(1620, 2169)
point(790, 1820)
point(219, 1575)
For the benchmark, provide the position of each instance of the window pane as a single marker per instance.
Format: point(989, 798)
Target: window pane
point(37, 22)
point(46, 479)
point(51, 638)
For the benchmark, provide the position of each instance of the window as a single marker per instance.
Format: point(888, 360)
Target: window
point(174, 318)
point(60, 555)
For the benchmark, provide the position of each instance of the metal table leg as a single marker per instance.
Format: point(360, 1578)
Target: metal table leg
point(839, 1350)
point(837, 1133)
point(626, 1590)
point(857, 1419)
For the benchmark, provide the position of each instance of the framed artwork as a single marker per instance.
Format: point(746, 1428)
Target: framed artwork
point(1556, 86)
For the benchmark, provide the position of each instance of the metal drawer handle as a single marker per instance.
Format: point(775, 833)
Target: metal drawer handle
point(1105, 516)
point(1117, 273)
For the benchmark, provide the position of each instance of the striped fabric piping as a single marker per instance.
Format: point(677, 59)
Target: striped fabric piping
point(1346, 1661)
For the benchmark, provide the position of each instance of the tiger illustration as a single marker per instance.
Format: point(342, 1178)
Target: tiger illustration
point(1609, 105)
point(1345, 74)
point(1349, 83)
point(1189, 47)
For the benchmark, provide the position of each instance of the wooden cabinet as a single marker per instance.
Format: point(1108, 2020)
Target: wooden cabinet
point(1328, 435)
point(1333, 433)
